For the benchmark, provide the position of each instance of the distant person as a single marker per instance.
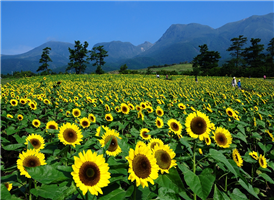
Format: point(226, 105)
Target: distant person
point(196, 79)
point(239, 84)
point(264, 77)
point(166, 77)
point(158, 76)
point(234, 83)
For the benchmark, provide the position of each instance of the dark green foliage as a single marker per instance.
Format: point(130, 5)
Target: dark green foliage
point(123, 69)
point(44, 60)
point(98, 54)
point(236, 49)
point(253, 55)
point(77, 57)
point(206, 60)
point(270, 58)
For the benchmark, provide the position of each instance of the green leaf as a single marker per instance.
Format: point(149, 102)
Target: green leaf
point(20, 139)
point(12, 147)
point(202, 184)
point(134, 132)
point(218, 195)
point(237, 194)
point(67, 192)
point(241, 128)
point(267, 178)
point(48, 191)
point(186, 144)
point(241, 136)
point(218, 156)
point(119, 193)
point(5, 194)
point(248, 188)
point(11, 130)
point(50, 174)
point(167, 194)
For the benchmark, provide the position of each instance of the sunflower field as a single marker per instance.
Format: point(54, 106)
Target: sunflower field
point(112, 137)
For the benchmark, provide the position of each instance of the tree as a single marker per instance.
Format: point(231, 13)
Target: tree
point(236, 49)
point(98, 54)
point(45, 59)
point(123, 68)
point(270, 57)
point(77, 57)
point(206, 60)
point(253, 55)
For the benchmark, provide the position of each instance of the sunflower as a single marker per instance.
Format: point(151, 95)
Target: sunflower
point(32, 105)
point(90, 172)
point(141, 115)
point(138, 108)
point(159, 111)
point(20, 117)
point(197, 125)
point(237, 158)
point(36, 123)
point(230, 112)
point(92, 118)
point(113, 149)
point(70, 134)
point(164, 157)
point(144, 135)
point(109, 117)
point(207, 140)
point(37, 141)
point(8, 186)
point(13, 102)
point(256, 108)
point(150, 109)
point(131, 106)
point(84, 122)
point(142, 166)
point(222, 137)
point(159, 122)
point(117, 108)
point(76, 112)
point(107, 107)
point(254, 155)
point(30, 158)
point(153, 142)
point(140, 144)
point(200, 151)
point(175, 127)
point(124, 108)
point(9, 116)
point(181, 106)
point(262, 161)
point(52, 125)
point(98, 130)
point(143, 105)
point(23, 101)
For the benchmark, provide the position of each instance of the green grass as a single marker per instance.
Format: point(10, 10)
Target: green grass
point(7, 80)
point(178, 67)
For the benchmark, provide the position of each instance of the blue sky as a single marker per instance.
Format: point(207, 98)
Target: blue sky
point(28, 24)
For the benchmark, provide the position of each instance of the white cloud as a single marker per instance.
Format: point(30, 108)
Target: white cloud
point(16, 50)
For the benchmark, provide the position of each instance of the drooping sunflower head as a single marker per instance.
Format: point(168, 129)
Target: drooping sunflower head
point(90, 172)
point(153, 142)
point(230, 112)
point(13, 102)
point(30, 158)
point(76, 112)
point(20, 117)
point(109, 117)
point(159, 122)
point(182, 106)
point(92, 118)
point(144, 135)
point(131, 106)
point(141, 115)
point(159, 111)
point(262, 161)
point(84, 122)
point(107, 107)
point(237, 158)
point(117, 109)
point(222, 137)
point(150, 109)
point(70, 134)
point(8, 185)
point(207, 140)
point(164, 156)
point(142, 166)
point(256, 108)
point(52, 125)
point(37, 141)
point(36, 123)
point(112, 136)
point(9, 116)
point(254, 155)
point(175, 127)
point(124, 108)
point(197, 125)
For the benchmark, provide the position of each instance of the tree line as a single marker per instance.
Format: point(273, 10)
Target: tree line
point(78, 59)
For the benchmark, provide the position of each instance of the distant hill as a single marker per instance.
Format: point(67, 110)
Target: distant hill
point(178, 44)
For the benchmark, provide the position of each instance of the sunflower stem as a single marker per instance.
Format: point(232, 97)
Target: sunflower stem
point(225, 183)
point(30, 181)
point(134, 192)
point(194, 164)
point(80, 192)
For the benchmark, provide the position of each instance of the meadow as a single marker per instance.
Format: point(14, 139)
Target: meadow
point(136, 137)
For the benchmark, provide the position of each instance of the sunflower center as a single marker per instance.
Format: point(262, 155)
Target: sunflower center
point(85, 123)
point(158, 123)
point(262, 162)
point(108, 117)
point(141, 166)
point(163, 159)
point(13, 102)
point(35, 143)
point(221, 139)
point(174, 126)
point(89, 173)
point(124, 109)
point(145, 135)
point(229, 113)
point(76, 113)
point(52, 127)
point(198, 125)
point(31, 161)
point(113, 144)
point(91, 118)
point(70, 135)
point(159, 112)
point(36, 123)
point(32, 105)
point(153, 145)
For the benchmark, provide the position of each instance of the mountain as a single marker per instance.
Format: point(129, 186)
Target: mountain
point(179, 43)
